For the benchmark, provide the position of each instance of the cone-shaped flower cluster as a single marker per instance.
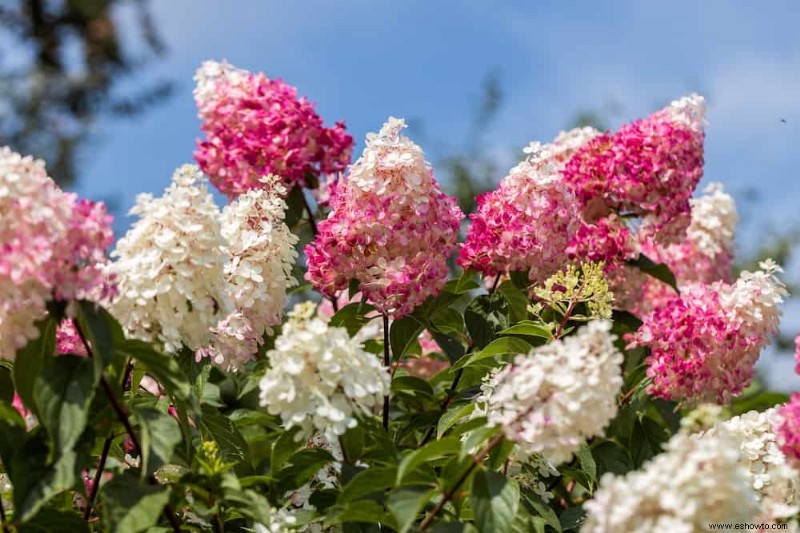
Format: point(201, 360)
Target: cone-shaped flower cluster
point(649, 168)
point(694, 482)
point(705, 342)
point(788, 429)
point(320, 379)
point(256, 126)
point(190, 276)
point(52, 245)
point(391, 227)
point(530, 219)
point(773, 479)
point(557, 396)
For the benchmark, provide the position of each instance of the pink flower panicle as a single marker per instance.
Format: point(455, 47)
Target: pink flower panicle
point(530, 219)
point(391, 227)
point(68, 340)
point(52, 245)
point(649, 168)
point(256, 126)
point(705, 342)
point(788, 429)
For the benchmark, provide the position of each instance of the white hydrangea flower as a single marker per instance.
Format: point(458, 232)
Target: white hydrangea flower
point(755, 298)
point(714, 220)
point(260, 252)
point(210, 73)
point(557, 396)
point(689, 111)
point(321, 380)
point(775, 482)
point(695, 482)
point(170, 266)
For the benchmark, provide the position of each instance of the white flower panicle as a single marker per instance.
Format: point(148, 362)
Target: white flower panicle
point(693, 483)
point(170, 266)
point(774, 481)
point(260, 252)
point(755, 298)
point(688, 111)
point(321, 380)
point(714, 220)
point(212, 72)
point(557, 396)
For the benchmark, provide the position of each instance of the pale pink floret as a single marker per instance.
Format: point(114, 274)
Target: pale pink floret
point(527, 223)
point(391, 228)
point(52, 246)
point(788, 429)
point(256, 126)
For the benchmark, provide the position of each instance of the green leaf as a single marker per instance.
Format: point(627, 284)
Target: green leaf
point(452, 416)
point(63, 395)
point(541, 509)
point(759, 401)
point(97, 324)
point(362, 511)
point(161, 366)
point(159, 434)
point(30, 360)
point(501, 346)
point(224, 432)
point(529, 327)
point(353, 444)
point(588, 465)
point(646, 441)
point(283, 448)
point(611, 457)
point(129, 506)
point(495, 500)
point(517, 300)
point(352, 317)
point(12, 431)
point(35, 480)
point(572, 518)
point(6, 384)
point(369, 481)
point(485, 316)
point(295, 207)
point(467, 282)
point(413, 385)
point(431, 451)
point(51, 520)
point(402, 334)
point(659, 271)
point(406, 503)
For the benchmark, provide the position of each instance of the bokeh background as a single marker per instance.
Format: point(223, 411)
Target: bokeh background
point(102, 89)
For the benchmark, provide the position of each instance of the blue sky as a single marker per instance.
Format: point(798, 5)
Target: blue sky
point(362, 61)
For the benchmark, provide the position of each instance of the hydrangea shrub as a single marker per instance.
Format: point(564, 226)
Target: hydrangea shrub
point(576, 355)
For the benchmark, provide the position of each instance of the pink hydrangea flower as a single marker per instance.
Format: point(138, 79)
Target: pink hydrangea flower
point(788, 429)
point(391, 228)
point(649, 168)
point(256, 126)
point(52, 246)
point(530, 219)
point(68, 340)
point(705, 342)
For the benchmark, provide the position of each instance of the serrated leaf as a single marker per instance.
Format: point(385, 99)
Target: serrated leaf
point(501, 346)
point(405, 504)
point(371, 480)
point(63, 395)
point(161, 366)
point(159, 434)
point(129, 506)
point(495, 500)
point(659, 271)
point(433, 450)
point(224, 432)
point(31, 359)
point(352, 317)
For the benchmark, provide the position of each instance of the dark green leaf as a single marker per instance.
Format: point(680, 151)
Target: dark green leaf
point(588, 465)
point(98, 326)
point(467, 282)
point(161, 366)
point(352, 317)
point(129, 506)
point(611, 457)
point(159, 434)
point(369, 481)
point(485, 316)
point(295, 207)
point(433, 450)
point(283, 448)
point(529, 327)
point(406, 503)
point(402, 334)
point(452, 416)
point(572, 518)
point(50, 520)
point(35, 480)
point(63, 394)
point(501, 346)
point(517, 301)
point(646, 441)
point(224, 432)
point(413, 385)
point(659, 271)
point(495, 500)
point(30, 360)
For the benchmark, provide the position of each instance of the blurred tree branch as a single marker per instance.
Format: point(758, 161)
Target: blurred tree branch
point(62, 65)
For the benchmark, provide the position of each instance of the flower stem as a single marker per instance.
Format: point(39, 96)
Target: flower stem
point(387, 362)
point(312, 220)
point(450, 494)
